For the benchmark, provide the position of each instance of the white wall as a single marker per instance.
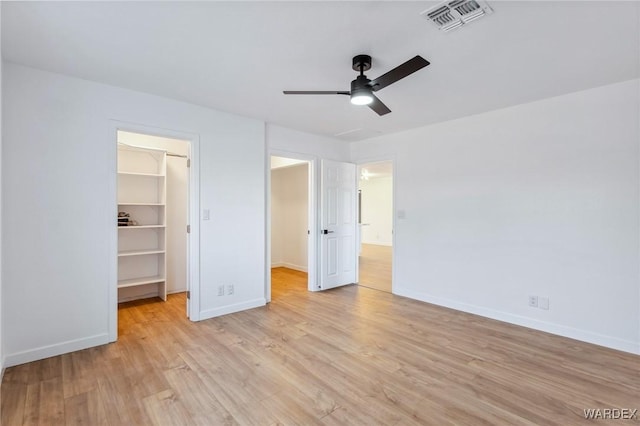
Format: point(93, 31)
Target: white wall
point(289, 216)
point(537, 199)
point(377, 210)
point(286, 140)
point(57, 218)
point(177, 208)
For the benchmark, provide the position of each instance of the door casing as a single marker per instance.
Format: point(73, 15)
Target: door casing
point(193, 247)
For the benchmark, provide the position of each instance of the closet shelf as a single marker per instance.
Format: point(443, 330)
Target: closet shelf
point(141, 174)
point(142, 204)
point(142, 188)
point(141, 226)
point(140, 281)
point(139, 252)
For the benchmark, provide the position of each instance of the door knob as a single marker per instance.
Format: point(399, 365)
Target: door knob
point(326, 231)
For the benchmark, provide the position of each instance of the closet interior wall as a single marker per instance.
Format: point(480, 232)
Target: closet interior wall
point(289, 214)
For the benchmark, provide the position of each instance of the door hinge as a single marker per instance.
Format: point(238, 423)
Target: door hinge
point(188, 294)
point(188, 162)
point(188, 229)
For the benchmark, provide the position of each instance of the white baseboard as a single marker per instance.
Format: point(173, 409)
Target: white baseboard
point(377, 243)
point(230, 309)
point(560, 330)
point(138, 296)
point(289, 266)
point(54, 350)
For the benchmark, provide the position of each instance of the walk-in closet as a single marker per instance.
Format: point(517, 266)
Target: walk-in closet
point(153, 204)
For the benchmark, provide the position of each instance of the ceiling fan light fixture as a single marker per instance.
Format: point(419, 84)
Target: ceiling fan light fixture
point(360, 91)
point(361, 98)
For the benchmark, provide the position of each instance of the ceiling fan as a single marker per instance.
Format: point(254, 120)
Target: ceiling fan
point(362, 88)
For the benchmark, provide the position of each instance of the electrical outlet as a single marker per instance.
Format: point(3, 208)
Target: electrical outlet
point(221, 290)
point(230, 289)
point(533, 301)
point(543, 303)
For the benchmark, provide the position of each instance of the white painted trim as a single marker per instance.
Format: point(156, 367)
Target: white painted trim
point(267, 223)
point(313, 249)
point(230, 309)
point(112, 211)
point(193, 268)
point(56, 349)
point(560, 330)
point(376, 243)
point(289, 266)
point(193, 281)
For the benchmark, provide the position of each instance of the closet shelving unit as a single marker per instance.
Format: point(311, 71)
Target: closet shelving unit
point(142, 189)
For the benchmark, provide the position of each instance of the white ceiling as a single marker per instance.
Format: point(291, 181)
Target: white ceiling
point(239, 56)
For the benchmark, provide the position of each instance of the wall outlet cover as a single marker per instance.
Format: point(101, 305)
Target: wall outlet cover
point(543, 303)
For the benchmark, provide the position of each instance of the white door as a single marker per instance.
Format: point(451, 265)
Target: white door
point(338, 224)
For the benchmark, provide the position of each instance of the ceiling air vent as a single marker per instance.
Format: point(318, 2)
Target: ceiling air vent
point(454, 14)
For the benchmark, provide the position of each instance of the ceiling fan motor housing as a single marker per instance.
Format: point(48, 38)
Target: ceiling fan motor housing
point(360, 84)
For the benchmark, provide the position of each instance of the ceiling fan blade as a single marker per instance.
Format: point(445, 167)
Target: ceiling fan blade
point(314, 92)
point(378, 106)
point(398, 73)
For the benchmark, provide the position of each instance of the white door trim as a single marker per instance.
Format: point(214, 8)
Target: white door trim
point(193, 279)
point(312, 245)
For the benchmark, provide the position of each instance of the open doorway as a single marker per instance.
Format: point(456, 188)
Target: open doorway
point(375, 221)
point(153, 197)
point(290, 227)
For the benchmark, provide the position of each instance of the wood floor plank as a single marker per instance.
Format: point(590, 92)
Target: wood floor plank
point(164, 408)
point(122, 405)
point(202, 406)
point(85, 409)
point(14, 396)
point(45, 403)
point(350, 355)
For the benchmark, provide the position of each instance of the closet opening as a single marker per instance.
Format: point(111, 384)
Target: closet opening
point(153, 216)
point(291, 241)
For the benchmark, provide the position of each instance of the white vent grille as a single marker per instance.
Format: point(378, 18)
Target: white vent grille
point(456, 13)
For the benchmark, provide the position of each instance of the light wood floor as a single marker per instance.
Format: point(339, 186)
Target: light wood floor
point(351, 355)
point(375, 267)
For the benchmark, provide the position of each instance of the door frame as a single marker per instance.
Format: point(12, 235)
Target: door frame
point(312, 218)
point(193, 246)
point(381, 159)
